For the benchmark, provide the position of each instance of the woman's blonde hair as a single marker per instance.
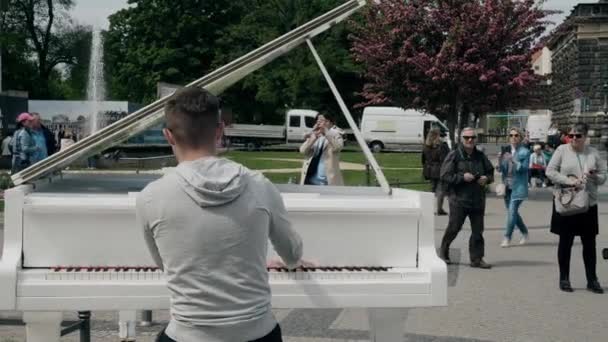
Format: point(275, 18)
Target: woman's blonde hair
point(433, 138)
point(518, 130)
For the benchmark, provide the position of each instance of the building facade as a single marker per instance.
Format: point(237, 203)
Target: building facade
point(579, 67)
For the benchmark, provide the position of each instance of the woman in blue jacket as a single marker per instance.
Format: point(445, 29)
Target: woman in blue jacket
point(514, 164)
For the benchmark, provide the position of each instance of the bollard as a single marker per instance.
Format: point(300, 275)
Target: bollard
point(146, 318)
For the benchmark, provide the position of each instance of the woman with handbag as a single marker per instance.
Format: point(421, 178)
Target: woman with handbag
point(576, 170)
point(433, 155)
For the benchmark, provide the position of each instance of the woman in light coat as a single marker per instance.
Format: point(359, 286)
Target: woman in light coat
point(579, 165)
point(322, 153)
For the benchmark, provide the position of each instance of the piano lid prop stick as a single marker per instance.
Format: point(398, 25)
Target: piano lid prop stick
point(351, 122)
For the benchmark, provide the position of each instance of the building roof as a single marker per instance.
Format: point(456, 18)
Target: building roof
point(581, 13)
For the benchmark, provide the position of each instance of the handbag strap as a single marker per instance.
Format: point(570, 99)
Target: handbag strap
point(580, 165)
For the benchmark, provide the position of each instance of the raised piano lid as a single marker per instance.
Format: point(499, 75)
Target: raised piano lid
point(89, 220)
point(216, 82)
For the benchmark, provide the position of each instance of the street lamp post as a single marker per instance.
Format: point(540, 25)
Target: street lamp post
point(604, 138)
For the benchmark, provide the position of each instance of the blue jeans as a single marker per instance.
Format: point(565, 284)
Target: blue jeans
point(513, 217)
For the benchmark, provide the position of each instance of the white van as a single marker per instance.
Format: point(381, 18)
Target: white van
point(538, 126)
point(394, 127)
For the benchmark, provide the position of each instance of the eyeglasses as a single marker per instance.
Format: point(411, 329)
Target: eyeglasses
point(577, 136)
point(468, 137)
point(514, 135)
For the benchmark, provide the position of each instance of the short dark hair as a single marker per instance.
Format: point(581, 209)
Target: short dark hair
point(327, 117)
point(580, 127)
point(192, 116)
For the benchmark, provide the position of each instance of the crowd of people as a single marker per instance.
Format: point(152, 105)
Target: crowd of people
point(574, 169)
point(31, 142)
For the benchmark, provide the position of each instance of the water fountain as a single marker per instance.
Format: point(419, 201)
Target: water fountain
point(96, 84)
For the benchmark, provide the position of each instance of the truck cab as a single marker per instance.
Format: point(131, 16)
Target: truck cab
point(299, 122)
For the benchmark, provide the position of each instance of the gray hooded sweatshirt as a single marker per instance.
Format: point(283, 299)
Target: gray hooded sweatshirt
point(207, 224)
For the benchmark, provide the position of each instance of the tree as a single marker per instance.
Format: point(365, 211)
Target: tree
point(43, 30)
point(177, 42)
point(293, 80)
point(449, 57)
point(163, 40)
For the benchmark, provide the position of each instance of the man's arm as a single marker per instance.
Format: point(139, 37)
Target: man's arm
point(488, 169)
point(143, 219)
point(285, 240)
point(335, 140)
point(448, 172)
point(306, 148)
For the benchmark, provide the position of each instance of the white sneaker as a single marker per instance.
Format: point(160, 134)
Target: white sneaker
point(524, 240)
point(505, 243)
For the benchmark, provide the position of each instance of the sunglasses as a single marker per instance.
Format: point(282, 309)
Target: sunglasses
point(469, 137)
point(514, 135)
point(577, 136)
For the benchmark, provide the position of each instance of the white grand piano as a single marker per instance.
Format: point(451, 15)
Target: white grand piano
point(72, 244)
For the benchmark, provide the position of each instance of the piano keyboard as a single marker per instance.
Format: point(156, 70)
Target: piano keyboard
point(148, 273)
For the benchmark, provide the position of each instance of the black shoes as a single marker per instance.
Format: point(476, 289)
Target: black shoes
point(565, 286)
point(480, 264)
point(595, 287)
point(441, 212)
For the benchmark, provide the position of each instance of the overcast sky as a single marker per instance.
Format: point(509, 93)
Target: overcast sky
point(96, 12)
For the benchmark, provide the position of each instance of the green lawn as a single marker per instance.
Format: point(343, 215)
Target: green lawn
point(398, 167)
point(403, 168)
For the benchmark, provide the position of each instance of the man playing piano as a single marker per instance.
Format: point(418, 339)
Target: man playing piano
point(207, 225)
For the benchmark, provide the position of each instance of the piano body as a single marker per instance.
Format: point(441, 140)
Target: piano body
point(72, 243)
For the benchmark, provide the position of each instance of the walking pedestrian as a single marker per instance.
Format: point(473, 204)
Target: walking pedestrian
point(577, 165)
point(434, 153)
point(467, 173)
point(514, 163)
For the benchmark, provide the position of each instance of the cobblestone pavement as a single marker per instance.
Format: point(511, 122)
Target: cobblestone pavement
point(517, 300)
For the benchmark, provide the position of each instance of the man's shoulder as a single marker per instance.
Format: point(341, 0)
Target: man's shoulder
point(159, 188)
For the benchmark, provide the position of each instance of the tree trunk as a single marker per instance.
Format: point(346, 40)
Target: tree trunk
point(453, 123)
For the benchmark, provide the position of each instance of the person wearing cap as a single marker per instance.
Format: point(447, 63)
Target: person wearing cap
point(43, 138)
point(22, 143)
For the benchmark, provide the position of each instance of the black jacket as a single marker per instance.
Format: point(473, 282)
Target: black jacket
point(432, 158)
point(49, 137)
point(456, 164)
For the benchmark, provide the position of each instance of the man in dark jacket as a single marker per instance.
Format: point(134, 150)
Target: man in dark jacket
point(49, 137)
point(467, 172)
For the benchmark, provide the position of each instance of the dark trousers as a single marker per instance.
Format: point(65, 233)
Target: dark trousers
point(538, 173)
point(564, 250)
point(437, 188)
point(273, 336)
point(457, 216)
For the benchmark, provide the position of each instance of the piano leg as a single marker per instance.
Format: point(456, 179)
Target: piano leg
point(146, 318)
point(42, 326)
point(386, 325)
point(126, 325)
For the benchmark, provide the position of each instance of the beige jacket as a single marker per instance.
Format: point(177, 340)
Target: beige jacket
point(330, 156)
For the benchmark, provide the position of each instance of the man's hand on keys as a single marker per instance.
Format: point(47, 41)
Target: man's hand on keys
point(278, 263)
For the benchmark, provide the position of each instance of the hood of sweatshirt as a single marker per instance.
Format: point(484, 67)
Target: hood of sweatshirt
point(211, 181)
